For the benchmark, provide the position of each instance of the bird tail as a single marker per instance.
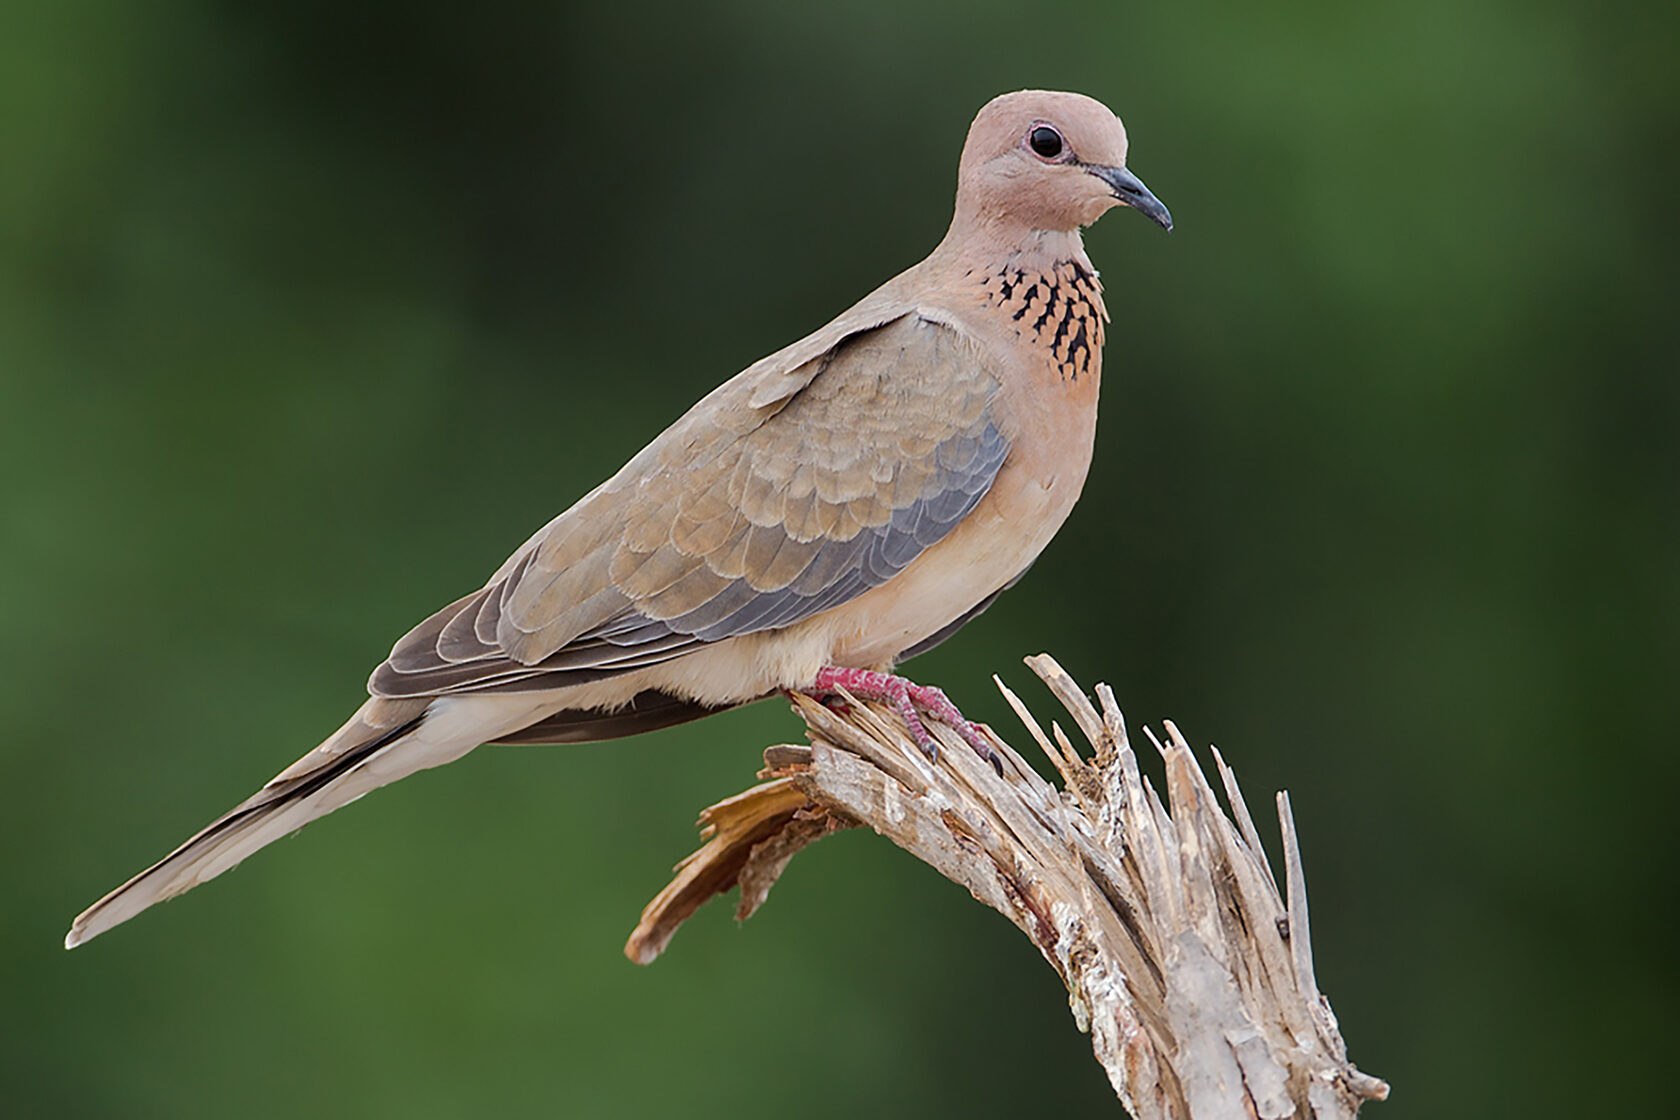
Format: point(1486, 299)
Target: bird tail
point(384, 741)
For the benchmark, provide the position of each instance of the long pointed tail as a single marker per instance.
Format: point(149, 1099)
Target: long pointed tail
point(385, 740)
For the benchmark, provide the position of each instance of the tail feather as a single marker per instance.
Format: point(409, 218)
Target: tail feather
point(362, 756)
point(385, 740)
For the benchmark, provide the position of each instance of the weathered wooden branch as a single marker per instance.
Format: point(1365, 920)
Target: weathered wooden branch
point(1188, 966)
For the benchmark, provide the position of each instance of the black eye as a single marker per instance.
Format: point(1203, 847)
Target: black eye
point(1046, 141)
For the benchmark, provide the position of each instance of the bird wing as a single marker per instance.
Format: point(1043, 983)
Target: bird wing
point(788, 491)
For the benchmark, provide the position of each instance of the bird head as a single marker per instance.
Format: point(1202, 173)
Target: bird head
point(1050, 161)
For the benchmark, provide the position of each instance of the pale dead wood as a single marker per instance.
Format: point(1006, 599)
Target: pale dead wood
point(1187, 966)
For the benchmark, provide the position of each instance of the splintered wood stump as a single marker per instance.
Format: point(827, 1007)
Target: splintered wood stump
point(1184, 961)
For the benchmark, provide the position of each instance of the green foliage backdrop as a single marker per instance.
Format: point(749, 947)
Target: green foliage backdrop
point(310, 312)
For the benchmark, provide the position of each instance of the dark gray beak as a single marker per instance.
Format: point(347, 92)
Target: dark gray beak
point(1129, 189)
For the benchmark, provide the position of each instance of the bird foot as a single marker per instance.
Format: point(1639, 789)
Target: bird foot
point(911, 701)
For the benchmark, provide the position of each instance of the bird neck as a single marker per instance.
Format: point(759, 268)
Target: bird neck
point(1037, 286)
point(978, 241)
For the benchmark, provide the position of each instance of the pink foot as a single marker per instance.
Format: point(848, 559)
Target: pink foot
point(909, 700)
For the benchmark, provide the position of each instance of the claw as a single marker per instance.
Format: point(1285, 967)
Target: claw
point(909, 700)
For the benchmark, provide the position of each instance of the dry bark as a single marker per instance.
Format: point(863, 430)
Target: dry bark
point(1187, 965)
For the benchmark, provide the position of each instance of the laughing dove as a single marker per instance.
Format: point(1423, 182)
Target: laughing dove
point(843, 504)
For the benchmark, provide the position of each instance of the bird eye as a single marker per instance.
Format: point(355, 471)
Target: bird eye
point(1045, 141)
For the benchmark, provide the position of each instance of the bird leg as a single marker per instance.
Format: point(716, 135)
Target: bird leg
point(910, 700)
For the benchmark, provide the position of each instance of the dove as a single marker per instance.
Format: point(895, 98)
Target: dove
point(833, 510)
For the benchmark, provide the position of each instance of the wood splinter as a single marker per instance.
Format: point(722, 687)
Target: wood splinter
point(1183, 959)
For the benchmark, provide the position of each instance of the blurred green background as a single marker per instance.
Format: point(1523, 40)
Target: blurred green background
point(311, 312)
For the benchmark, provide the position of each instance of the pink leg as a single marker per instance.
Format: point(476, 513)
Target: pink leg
point(909, 700)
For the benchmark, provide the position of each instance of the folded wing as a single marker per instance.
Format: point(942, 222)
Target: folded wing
point(784, 493)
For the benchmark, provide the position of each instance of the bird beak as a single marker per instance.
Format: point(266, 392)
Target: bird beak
point(1129, 189)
